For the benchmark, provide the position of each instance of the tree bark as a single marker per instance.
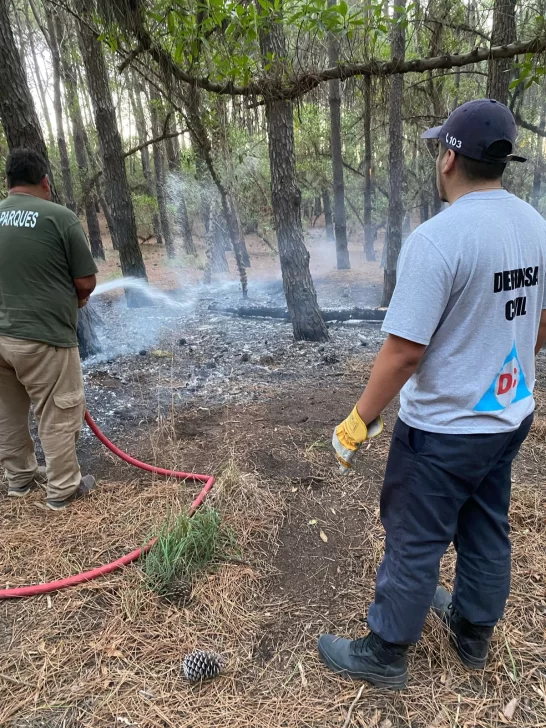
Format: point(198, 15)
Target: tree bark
point(301, 297)
point(334, 99)
point(17, 112)
point(393, 238)
point(435, 46)
point(22, 129)
point(369, 234)
point(39, 82)
point(159, 172)
point(214, 247)
point(140, 121)
point(115, 173)
point(220, 141)
point(182, 217)
point(504, 31)
point(328, 222)
point(184, 220)
point(539, 162)
point(172, 150)
point(204, 156)
point(78, 138)
point(66, 173)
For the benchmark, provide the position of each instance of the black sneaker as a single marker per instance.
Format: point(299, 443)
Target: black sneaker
point(87, 484)
point(372, 659)
point(39, 478)
point(470, 640)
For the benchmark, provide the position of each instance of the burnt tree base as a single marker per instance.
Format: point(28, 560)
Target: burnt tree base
point(88, 323)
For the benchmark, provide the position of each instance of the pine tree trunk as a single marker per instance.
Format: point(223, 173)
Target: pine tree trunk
point(301, 297)
point(22, 129)
point(334, 99)
point(328, 222)
point(369, 234)
point(173, 155)
point(115, 173)
point(39, 82)
point(393, 238)
point(220, 141)
point(241, 233)
point(539, 162)
point(140, 121)
point(159, 172)
point(204, 156)
point(504, 31)
point(214, 248)
point(66, 174)
point(74, 111)
point(17, 112)
point(78, 140)
point(183, 220)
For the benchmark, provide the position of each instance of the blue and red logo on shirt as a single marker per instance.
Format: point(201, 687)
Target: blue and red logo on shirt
point(507, 387)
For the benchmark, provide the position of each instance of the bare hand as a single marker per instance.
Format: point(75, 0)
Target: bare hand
point(83, 302)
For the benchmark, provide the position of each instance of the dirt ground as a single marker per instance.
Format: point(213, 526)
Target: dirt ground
point(257, 411)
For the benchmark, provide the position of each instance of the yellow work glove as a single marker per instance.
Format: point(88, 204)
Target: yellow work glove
point(350, 435)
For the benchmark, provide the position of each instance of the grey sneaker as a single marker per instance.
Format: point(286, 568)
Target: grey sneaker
point(39, 478)
point(87, 484)
point(470, 640)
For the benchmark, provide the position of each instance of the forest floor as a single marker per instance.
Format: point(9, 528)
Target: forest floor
point(239, 399)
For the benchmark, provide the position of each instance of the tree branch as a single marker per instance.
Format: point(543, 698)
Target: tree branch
point(530, 127)
point(38, 21)
point(92, 181)
point(309, 80)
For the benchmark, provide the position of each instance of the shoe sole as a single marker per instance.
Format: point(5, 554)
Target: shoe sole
point(39, 481)
point(19, 493)
point(58, 508)
point(379, 681)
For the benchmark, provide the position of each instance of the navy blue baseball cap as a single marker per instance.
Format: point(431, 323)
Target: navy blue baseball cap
point(472, 128)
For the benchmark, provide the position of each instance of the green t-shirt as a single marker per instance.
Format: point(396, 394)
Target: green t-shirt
point(42, 249)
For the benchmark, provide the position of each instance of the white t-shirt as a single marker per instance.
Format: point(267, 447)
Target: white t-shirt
point(471, 286)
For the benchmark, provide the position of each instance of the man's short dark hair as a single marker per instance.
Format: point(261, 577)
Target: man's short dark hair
point(476, 171)
point(25, 167)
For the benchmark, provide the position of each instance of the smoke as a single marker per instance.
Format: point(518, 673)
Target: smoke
point(127, 331)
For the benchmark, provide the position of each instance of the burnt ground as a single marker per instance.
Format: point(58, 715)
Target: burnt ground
point(238, 398)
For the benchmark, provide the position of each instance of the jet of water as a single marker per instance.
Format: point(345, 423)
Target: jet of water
point(139, 284)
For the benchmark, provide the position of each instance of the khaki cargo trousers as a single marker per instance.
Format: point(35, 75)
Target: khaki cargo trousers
point(50, 378)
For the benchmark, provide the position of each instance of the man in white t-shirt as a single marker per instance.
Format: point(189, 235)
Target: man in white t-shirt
point(465, 322)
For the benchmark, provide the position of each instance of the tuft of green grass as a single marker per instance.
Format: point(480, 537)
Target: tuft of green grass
point(186, 546)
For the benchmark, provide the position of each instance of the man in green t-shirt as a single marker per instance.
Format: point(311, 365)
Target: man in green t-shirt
point(46, 273)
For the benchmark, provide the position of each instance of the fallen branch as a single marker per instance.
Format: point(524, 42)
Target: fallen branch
point(328, 314)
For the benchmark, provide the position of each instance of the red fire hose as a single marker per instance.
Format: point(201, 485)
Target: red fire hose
point(50, 586)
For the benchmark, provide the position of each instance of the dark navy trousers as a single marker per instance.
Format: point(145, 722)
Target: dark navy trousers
point(440, 489)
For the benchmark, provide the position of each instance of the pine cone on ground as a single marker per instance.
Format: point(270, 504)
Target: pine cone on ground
point(178, 593)
point(200, 665)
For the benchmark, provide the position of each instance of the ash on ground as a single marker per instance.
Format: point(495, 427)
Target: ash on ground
point(159, 357)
